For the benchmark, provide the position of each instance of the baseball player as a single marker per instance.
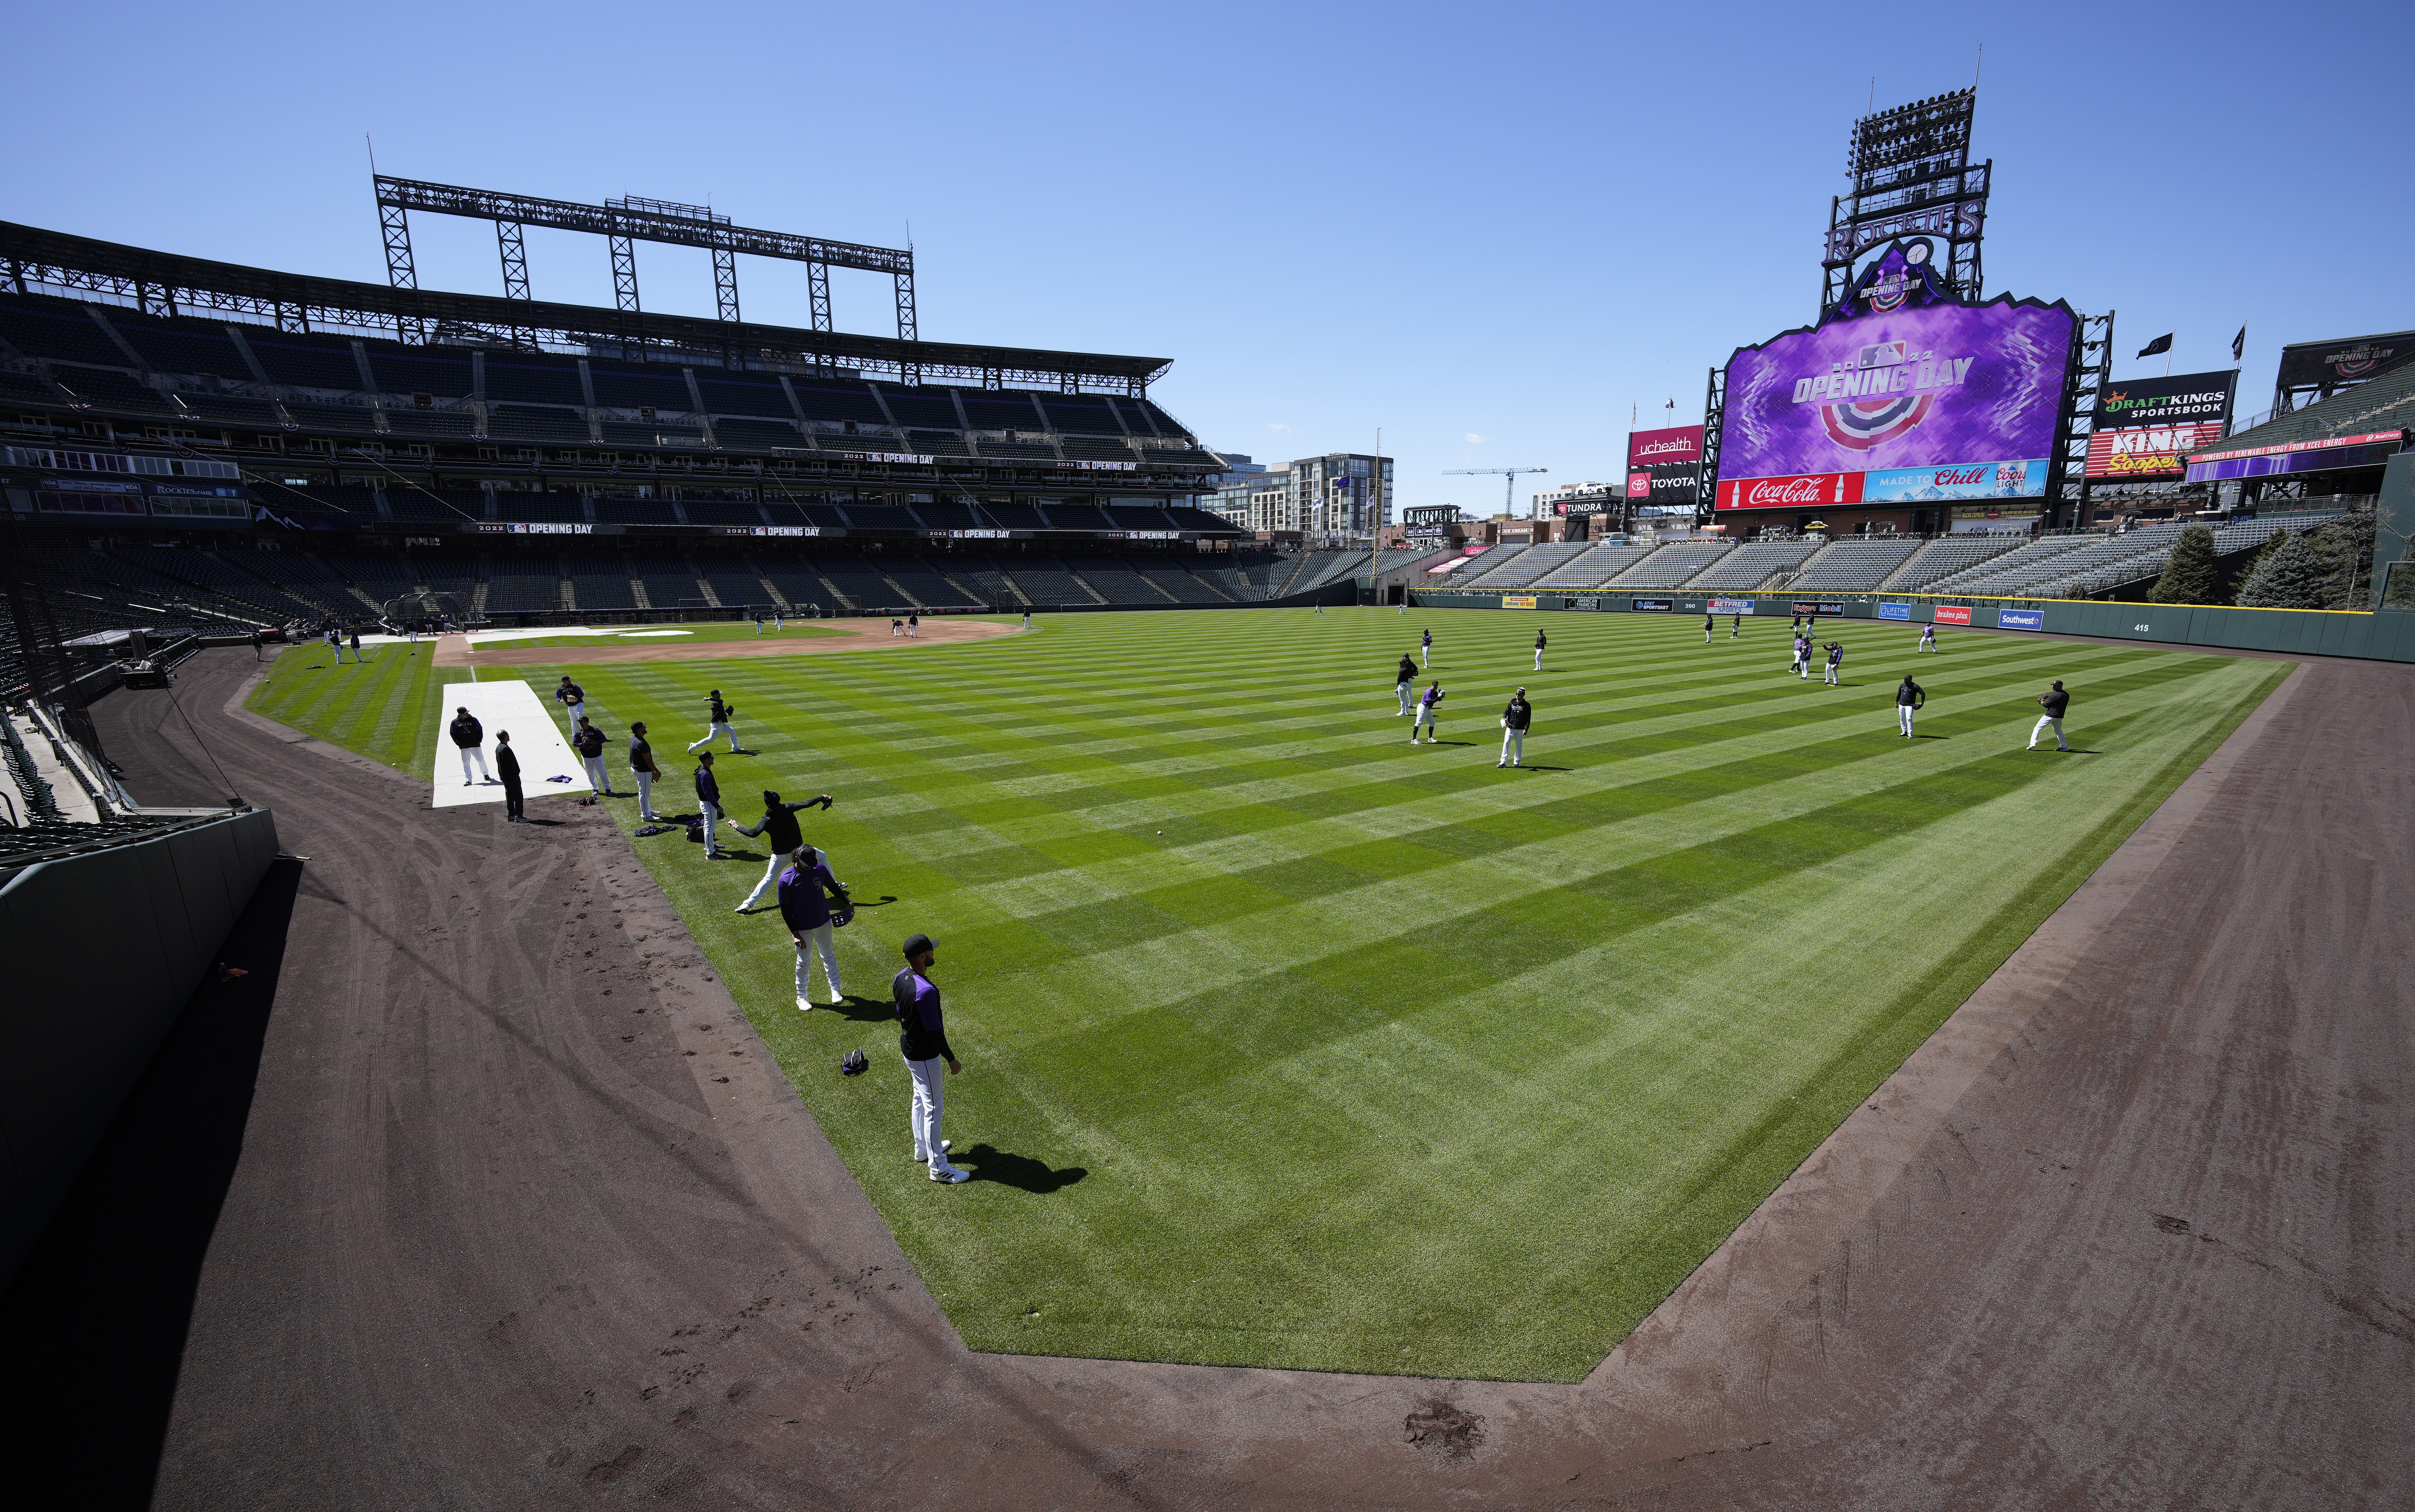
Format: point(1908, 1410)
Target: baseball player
point(572, 698)
point(1425, 650)
point(1710, 622)
point(641, 763)
point(1928, 638)
point(722, 714)
point(1425, 714)
point(1405, 682)
point(1540, 641)
point(2054, 702)
point(471, 737)
point(1835, 664)
point(780, 820)
point(924, 1044)
point(1908, 697)
point(805, 908)
point(1514, 723)
point(589, 742)
point(1736, 624)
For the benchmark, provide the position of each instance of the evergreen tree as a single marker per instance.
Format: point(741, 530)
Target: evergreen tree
point(2191, 576)
point(2288, 575)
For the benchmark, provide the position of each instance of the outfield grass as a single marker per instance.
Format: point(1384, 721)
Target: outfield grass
point(1288, 1044)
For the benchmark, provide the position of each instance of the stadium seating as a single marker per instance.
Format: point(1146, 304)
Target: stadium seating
point(1751, 564)
point(1110, 579)
point(533, 380)
point(1944, 557)
point(1096, 449)
point(1081, 414)
point(1498, 560)
point(451, 573)
point(430, 425)
point(516, 582)
point(999, 412)
point(1674, 563)
point(421, 505)
point(647, 435)
point(751, 435)
point(620, 388)
point(304, 361)
point(933, 409)
point(1594, 566)
point(513, 423)
point(539, 508)
point(1044, 581)
point(792, 512)
point(648, 512)
point(343, 419)
point(599, 580)
point(2019, 562)
point(232, 410)
point(381, 574)
point(734, 582)
point(924, 582)
point(865, 515)
point(669, 577)
point(170, 349)
point(58, 330)
point(838, 402)
point(728, 397)
point(106, 389)
point(234, 591)
point(1856, 564)
point(860, 582)
point(983, 576)
point(1522, 569)
point(301, 574)
point(799, 583)
point(1017, 453)
point(444, 376)
point(1170, 578)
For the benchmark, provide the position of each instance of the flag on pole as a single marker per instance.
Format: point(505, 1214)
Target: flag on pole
point(2239, 346)
point(2157, 346)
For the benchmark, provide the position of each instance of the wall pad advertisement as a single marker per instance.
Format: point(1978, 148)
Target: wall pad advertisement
point(1923, 385)
point(1731, 606)
point(2020, 619)
point(1951, 614)
point(1895, 611)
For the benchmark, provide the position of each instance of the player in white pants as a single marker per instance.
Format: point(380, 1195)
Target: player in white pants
point(1928, 638)
point(2054, 703)
point(1908, 697)
point(1514, 721)
point(805, 908)
point(1405, 682)
point(1425, 714)
point(1540, 640)
point(718, 722)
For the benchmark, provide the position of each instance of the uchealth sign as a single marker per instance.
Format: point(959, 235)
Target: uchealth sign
point(1951, 614)
point(1804, 490)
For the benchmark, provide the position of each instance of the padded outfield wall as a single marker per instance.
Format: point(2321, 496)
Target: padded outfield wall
point(103, 951)
point(2387, 635)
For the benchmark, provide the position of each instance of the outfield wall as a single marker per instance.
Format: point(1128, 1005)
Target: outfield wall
point(2387, 635)
point(103, 951)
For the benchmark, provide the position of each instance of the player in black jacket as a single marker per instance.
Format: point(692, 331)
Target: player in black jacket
point(721, 714)
point(1514, 723)
point(471, 737)
point(779, 822)
point(508, 767)
point(1404, 679)
point(2054, 702)
point(1908, 697)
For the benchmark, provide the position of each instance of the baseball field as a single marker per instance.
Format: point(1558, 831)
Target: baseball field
point(1288, 1043)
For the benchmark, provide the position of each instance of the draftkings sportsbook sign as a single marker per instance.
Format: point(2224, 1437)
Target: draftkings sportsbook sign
point(2145, 429)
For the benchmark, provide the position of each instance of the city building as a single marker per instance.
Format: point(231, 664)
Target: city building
point(1338, 497)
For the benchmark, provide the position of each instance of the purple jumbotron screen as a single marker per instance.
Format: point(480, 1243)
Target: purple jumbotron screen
point(1931, 386)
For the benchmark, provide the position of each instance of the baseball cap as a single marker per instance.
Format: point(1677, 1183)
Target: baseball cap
point(917, 944)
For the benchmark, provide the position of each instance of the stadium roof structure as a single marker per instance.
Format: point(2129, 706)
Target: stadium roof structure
point(2383, 403)
point(171, 284)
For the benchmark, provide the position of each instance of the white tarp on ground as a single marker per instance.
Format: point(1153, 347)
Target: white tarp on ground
point(536, 738)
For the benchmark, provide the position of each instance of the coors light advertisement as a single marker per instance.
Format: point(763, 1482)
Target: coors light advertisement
point(2146, 427)
point(1665, 467)
point(1930, 398)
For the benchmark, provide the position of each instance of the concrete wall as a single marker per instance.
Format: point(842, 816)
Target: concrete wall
point(102, 952)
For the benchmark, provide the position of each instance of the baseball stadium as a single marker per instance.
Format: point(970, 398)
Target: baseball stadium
point(1912, 1020)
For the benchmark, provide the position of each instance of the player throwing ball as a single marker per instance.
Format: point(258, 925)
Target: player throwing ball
point(1425, 714)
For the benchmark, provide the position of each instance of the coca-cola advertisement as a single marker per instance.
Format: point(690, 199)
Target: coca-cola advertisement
point(1801, 490)
point(1917, 386)
point(1665, 467)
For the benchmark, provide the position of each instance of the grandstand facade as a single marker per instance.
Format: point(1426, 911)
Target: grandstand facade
point(247, 446)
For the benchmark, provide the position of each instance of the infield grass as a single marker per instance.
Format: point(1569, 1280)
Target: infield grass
point(1288, 1044)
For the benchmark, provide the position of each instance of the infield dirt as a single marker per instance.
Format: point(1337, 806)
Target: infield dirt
point(852, 635)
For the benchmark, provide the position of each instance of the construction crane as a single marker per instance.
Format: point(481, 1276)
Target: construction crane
point(1509, 482)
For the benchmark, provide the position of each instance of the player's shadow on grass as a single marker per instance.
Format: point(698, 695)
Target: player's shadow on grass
point(1020, 1172)
point(1529, 765)
point(865, 1009)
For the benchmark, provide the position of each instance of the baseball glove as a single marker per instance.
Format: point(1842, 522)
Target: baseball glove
point(842, 910)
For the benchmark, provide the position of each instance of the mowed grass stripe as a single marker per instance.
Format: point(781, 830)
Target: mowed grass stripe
point(1384, 1059)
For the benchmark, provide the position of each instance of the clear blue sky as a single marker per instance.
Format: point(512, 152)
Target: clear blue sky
point(1509, 222)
